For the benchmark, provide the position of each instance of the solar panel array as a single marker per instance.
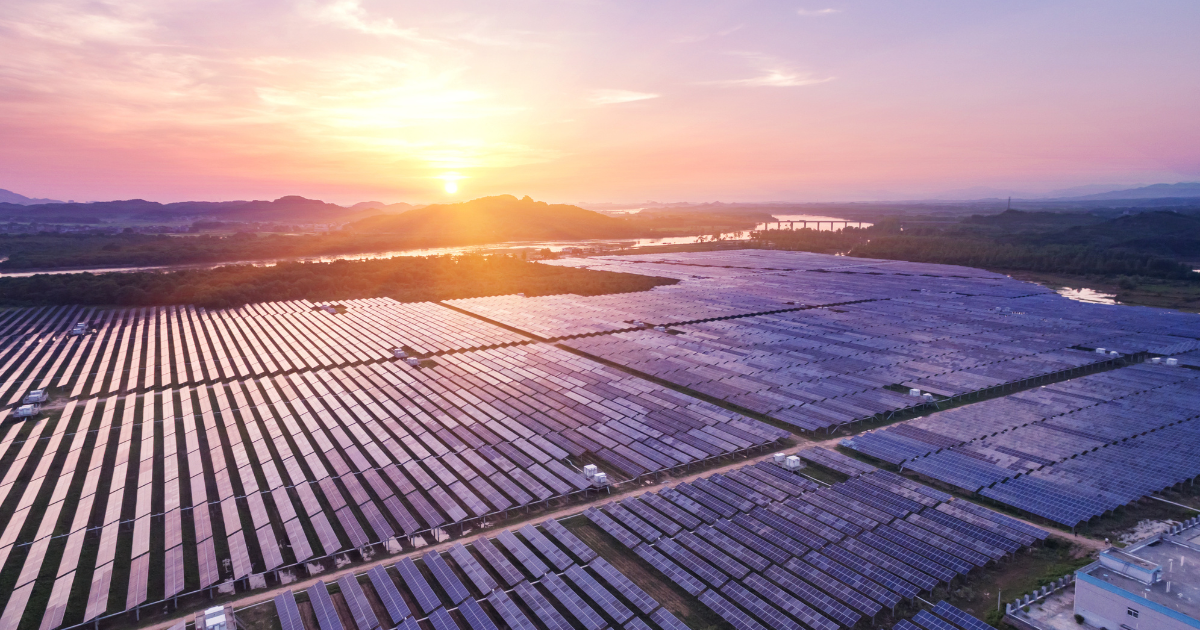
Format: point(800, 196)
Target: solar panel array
point(968, 424)
point(587, 590)
point(271, 472)
point(1068, 452)
point(281, 433)
point(809, 556)
point(155, 347)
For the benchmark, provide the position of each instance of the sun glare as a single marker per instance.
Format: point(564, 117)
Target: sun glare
point(451, 187)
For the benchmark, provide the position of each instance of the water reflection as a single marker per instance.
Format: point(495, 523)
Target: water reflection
point(1090, 296)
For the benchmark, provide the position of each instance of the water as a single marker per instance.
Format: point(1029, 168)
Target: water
point(1090, 296)
point(516, 246)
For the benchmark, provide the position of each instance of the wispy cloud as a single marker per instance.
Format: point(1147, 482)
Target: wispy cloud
point(777, 77)
point(816, 12)
point(772, 72)
point(351, 15)
point(614, 97)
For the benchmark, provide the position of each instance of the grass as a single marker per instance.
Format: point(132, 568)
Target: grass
point(687, 608)
point(1173, 294)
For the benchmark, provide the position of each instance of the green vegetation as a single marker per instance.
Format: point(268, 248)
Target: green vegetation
point(404, 278)
point(1149, 245)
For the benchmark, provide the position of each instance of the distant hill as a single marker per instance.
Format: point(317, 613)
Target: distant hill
point(1157, 191)
point(290, 209)
point(494, 220)
point(8, 196)
point(387, 208)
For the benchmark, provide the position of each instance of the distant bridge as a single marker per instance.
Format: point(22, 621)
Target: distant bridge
point(791, 225)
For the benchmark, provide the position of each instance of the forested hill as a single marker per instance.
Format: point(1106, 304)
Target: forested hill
point(495, 219)
point(290, 209)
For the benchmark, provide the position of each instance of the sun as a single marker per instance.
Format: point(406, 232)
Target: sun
point(451, 186)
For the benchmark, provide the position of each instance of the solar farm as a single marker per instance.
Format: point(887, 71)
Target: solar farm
point(154, 458)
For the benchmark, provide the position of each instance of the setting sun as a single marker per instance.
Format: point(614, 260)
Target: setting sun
point(451, 187)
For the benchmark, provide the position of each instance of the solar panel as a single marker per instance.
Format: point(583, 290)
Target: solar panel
point(730, 613)
point(614, 529)
point(509, 574)
point(542, 609)
point(549, 550)
point(388, 594)
point(666, 620)
point(523, 555)
point(809, 594)
point(623, 585)
point(960, 618)
point(928, 621)
point(831, 585)
point(441, 620)
point(735, 549)
point(475, 616)
point(327, 617)
point(574, 604)
point(598, 594)
point(788, 603)
point(356, 601)
point(651, 516)
point(509, 611)
point(418, 586)
point(644, 530)
point(475, 572)
point(765, 612)
point(565, 538)
point(445, 577)
point(288, 612)
point(667, 567)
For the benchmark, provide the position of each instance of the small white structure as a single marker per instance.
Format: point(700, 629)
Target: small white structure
point(793, 463)
point(661, 328)
point(915, 393)
point(1156, 360)
point(779, 458)
point(1113, 353)
point(78, 329)
point(600, 480)
point(398, 353)
point(590, 471)
point(413, 361)
point(214, 618)
point(25, 411)
point(927, 397)
point(36, 397)
point(1172, 361)
point(329, 309)
point(1099, 350)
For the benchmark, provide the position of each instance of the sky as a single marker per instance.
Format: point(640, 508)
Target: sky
point(594, 100)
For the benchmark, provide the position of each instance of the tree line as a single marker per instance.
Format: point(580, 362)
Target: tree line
point(406, 278)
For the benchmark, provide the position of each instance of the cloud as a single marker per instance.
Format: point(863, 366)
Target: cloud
point(816, 12)
point(613, 97)
point(775, 77)
point(351, 15)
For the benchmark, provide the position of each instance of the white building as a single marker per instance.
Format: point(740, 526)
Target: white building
point(1153, 585)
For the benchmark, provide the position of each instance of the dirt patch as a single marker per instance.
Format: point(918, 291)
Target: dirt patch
point(259, 617)
point(1145, 529)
